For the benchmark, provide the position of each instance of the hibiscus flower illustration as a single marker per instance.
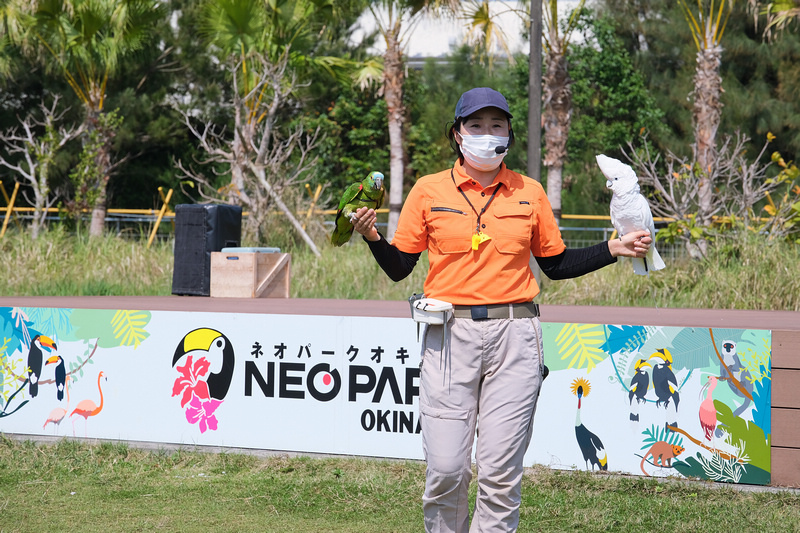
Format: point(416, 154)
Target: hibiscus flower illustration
point(202, 413)
point(193, 390)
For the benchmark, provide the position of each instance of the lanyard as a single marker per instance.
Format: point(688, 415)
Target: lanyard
point(478, 226)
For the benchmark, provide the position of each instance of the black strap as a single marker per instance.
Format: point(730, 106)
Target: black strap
point(478, 226)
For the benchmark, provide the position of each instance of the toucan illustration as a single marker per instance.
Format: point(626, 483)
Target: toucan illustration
point(35, 361)
point(61, 375)
point(219, 347)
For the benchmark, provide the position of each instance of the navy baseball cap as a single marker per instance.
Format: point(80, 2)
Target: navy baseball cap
point(479, 98)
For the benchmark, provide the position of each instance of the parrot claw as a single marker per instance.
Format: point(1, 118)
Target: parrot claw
point(353, 218)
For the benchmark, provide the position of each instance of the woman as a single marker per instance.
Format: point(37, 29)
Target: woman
point(480, 222)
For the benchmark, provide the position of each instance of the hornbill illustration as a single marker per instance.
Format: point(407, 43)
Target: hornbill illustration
point(61, 375)
point(591, 447)
point(35, 361)
point(664, 383)
point(220, 355)
point(640, 382)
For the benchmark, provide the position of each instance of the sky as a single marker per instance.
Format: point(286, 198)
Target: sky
point(435, 38)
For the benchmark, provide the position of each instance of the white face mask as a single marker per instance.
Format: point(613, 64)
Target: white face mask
point(479, 151)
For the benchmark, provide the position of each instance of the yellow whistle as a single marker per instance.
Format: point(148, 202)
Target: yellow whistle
point(478, 239)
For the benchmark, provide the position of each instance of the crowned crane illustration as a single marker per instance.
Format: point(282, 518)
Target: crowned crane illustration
point(591, 446)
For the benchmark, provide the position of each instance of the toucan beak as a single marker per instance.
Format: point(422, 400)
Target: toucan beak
point(47, 342)
point(199, 339)
point(52, 360)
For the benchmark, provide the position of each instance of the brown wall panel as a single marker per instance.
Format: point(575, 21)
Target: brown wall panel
point(786, 349)
point(786, 388)
point(785, 467)
point(786, 427)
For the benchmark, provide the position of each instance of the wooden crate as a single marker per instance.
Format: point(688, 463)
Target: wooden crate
point(250, 275)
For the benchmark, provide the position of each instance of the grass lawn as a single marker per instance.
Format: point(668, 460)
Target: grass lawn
point(109, 487)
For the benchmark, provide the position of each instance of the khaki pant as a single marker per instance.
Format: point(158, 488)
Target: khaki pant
point(487, 380)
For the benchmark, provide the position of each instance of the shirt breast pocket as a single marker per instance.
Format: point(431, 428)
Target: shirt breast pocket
point(514, 227)
point(450, 229)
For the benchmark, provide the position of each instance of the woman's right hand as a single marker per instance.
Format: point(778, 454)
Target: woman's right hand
point(365, 223)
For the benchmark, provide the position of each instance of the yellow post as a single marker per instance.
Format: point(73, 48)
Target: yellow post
point(9, 209)
point(163, 210)
point(8, 202)
point(314, 199)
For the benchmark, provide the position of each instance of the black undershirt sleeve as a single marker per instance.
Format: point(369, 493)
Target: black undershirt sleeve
point(571, 263)
point(574, 262)
point(397, 265)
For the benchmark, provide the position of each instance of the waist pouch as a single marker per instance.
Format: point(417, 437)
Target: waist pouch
point(430, 311)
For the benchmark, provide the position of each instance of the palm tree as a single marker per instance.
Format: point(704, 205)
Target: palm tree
point(707, 28)
point(269, 47)
point(557, 95)
point(6, 33)
point(779, 14)
point(85, 40)
point(395, 21)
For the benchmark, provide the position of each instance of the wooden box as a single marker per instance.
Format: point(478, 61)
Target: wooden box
point(250, 274)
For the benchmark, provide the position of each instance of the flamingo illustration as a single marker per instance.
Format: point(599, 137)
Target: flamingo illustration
point(87, 408)
point(57, 415)
point(708, 413)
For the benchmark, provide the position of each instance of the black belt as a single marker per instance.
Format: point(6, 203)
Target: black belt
point(483, 312)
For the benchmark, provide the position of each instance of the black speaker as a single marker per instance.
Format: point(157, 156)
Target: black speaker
point(199, 230)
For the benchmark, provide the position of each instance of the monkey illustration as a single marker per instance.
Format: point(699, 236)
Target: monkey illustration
point(662, 453)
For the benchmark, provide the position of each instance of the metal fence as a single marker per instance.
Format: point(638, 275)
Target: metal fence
point(159, 224)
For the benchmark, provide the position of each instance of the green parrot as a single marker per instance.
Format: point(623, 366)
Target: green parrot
point(367, 193)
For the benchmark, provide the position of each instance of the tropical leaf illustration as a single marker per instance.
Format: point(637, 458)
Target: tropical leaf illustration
point(655, 434)
point(762, 400)
point(580, 343)
point(624, 339)
point(129, 327)
point(720, 469)
point(55, 321)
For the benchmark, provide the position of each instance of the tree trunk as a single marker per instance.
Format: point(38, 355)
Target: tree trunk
point(262, 177)
point(557, 117)
point(40, 192)
point(554, 183)
point(107, 131)
point(706, 112)
point(98, 223)
point(393, 79)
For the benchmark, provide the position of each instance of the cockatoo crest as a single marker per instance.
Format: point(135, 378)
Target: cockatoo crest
point(620, 178)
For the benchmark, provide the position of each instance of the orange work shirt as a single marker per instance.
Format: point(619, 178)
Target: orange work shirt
point(519, 220)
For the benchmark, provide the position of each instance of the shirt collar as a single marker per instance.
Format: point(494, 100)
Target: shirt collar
point(461, 176)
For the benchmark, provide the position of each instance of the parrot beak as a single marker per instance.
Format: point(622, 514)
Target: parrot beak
point(378, 181)
point(608, 184)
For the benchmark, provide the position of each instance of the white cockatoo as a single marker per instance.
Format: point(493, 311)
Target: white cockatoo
point(630, 210)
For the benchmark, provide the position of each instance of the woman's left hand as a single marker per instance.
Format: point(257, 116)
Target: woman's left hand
point(633, 244)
